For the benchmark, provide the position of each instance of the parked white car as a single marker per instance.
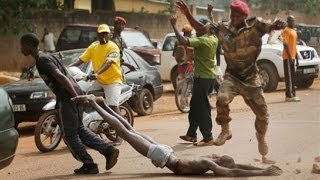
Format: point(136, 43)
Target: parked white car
point(269, 62)
point(271, 70)
point(168, 68)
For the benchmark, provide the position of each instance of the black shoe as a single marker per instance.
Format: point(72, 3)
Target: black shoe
point(111, 157)
point(87, 169)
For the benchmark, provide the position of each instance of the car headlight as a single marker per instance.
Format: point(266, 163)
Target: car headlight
point(315, 55)
point(42, 95)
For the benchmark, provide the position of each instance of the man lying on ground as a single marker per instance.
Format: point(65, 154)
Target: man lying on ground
point(163, 156)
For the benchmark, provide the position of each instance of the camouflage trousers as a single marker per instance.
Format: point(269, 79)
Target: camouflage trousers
point(253, 97)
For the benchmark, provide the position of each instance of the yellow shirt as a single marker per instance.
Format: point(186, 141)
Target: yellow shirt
point(99, 54)
point(290, 37)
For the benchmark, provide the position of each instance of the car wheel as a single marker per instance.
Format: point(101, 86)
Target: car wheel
point(145, 102)
point(47, 134)
point(269, 77)
point(304, 83)
point(174, 77)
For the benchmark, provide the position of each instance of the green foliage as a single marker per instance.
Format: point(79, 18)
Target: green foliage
point(16, 14)
point(309, 7)
point(171, 9)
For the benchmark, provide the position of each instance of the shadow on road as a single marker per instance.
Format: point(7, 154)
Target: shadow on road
point(183, 146)
point(60, 151)
point(108, 175)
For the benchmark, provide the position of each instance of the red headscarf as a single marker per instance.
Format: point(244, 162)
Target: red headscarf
point(240, 6)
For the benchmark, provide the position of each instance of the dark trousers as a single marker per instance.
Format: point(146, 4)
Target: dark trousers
point(76, 136)
point(289, 75)
point(200, 110)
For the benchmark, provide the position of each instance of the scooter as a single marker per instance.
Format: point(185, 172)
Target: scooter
point(48, 133)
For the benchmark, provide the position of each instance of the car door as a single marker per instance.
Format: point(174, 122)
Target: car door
point(167, 60)
point(137, 77)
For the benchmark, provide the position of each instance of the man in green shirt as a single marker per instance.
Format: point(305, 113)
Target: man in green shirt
point(205, 46)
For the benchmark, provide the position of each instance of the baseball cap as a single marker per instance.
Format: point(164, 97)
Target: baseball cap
point(103, 28)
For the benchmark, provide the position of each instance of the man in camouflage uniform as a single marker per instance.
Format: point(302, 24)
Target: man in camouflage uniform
point(119, 25)
point(241, 42)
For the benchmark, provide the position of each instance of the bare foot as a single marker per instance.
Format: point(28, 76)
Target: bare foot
point(267, 161)
point(272, 171)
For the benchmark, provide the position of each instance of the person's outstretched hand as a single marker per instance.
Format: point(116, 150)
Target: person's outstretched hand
point(209, 8)
point(182, 6)
point(173, 20)
point(278, 24)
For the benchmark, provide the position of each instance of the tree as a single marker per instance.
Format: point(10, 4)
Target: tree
point(16, 14)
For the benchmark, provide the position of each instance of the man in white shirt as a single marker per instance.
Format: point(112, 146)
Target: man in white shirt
point(48, 41)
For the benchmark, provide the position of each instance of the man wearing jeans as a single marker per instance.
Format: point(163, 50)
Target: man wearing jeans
point(205, 46)
point(75, 135)
point(289, 36)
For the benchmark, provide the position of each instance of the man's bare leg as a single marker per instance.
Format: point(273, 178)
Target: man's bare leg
point(100, 102)
point(139, 143)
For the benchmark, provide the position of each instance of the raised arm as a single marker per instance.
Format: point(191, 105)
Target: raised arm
point(182, 40)
point(183, 7)
point(209, 9)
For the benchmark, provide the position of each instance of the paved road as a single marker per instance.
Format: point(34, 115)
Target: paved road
point(293, 135)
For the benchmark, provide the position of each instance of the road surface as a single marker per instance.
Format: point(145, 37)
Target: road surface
point(293, 136)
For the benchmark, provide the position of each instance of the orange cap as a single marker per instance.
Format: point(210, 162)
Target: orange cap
point(187, 28)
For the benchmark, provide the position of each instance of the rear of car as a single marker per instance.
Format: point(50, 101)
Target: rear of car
point(8, 134)
point(76, 36)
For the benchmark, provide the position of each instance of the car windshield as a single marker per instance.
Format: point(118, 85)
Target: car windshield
point(70, 57)
point(135, 39)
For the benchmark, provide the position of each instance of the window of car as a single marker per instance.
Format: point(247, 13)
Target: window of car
point(71, 35)
point(70, 57)
point(168, 44)
point(130, 58)
point(135, 39)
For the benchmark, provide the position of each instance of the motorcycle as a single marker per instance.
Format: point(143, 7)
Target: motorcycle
point(48, 133)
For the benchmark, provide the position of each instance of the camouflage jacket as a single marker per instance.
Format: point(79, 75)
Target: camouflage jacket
point(118, 41)
point(242, 48)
